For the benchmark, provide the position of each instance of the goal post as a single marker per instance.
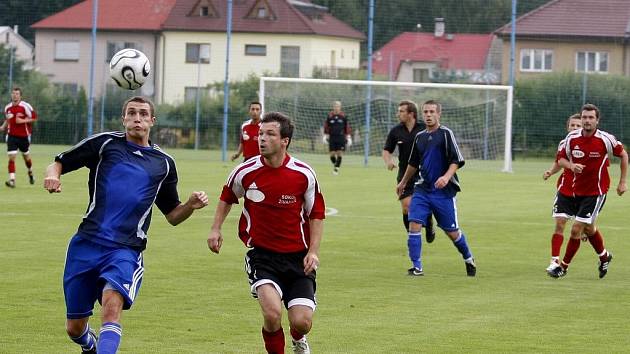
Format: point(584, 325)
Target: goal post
point(479, 115)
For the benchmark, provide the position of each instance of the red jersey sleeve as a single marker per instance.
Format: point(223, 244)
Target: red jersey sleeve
point(618, 148)
point(228, 196)
point(318, 211)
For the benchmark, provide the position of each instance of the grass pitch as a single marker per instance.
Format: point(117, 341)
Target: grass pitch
point(193, 301)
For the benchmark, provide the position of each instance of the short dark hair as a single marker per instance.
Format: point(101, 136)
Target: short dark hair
point(141, 100)
point(286, 126)
point(254, 102)
point(411, 107)
point(591, 107)
point(17, 88)
point(433, 102)
point(573, 116)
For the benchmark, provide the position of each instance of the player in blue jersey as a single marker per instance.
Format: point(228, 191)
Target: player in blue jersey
point(104, 258)
point(436, 154)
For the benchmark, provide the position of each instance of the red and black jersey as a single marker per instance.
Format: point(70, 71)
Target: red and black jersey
point(21, 110)
point(249, 139)
point(337, 124)
point(565, 181)
point(278, 203)
point(592, 152)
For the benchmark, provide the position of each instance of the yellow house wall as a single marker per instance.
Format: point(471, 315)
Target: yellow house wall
point(314, 51)
point(564, 56)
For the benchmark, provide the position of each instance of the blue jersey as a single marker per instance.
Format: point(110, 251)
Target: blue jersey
point(125, 180)
point(433, 153)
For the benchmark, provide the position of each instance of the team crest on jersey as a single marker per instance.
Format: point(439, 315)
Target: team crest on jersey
point(594, 154)
point(578, 154)
point(245, 136)
point(254, 194)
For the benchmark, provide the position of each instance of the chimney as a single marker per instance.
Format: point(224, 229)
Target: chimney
point(439, 27)
point(15, 29)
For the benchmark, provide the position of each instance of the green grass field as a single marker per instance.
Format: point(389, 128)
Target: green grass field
point(193, 301)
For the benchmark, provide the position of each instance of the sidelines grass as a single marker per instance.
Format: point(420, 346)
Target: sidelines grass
point(193, 301)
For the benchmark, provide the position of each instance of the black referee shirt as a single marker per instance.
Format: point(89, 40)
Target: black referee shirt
point(403, 138)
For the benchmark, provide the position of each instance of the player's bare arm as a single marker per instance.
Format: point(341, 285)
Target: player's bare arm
point(409, 172)
point(238, 152)
point(20, 120)
point(215, 238)
point(52, 180)
point(446, 177)
point(574, 167)
point(622, 187)
point(197, 200)
point(555, 168)
point(388, 160)
point(311, 260)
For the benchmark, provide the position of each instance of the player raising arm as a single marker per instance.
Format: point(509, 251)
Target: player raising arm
point(586, 153)
point(282, 223)
point(104, 259)
point(564, 203)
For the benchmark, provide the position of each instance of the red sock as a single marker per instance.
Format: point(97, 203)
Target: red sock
point(556, 244)
point(274, 341)
point(296, 335)
point(597, 241)
point(572, 247)
point(11, 166)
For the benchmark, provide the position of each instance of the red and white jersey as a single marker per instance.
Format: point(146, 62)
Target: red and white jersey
point(592, 152)
point(249, 139)
point(279, 202)
point(22, 110)
point(565, 181)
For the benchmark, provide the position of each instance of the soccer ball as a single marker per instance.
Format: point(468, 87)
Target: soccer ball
point(129, 68)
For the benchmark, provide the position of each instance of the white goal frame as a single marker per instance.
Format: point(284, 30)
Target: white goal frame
point(507, 156)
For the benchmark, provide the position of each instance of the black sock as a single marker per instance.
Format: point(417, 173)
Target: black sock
point(333, 159)
point(429, 225)
point(406, 221)
point(338, 162)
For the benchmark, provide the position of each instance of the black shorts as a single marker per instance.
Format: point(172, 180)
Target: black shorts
point(564, 206)
point(15, 143)
point(337, 143)
point(408, 191)
point(589, 207)
point(285, 271)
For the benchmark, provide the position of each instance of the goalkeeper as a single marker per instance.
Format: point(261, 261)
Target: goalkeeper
point(337, 135)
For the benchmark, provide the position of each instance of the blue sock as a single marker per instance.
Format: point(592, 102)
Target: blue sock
point(109, 338)
point(414, 244)
point(85, 340)
point(462, 246)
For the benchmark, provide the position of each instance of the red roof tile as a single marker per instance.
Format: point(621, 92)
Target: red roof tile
point(141, 15)
point(464, 51)
point(288, 20)
point(575, 18)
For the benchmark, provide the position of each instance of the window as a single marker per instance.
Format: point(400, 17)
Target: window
point(290, 61)
point(114, 47)
point(420, 75)
point(536, 59)
point(203, 11)
point(197, 52)
point(190, 93)
point(591, 62)
point(262, 12)
point(67, 50)
point(71, 89)
point(255, 49)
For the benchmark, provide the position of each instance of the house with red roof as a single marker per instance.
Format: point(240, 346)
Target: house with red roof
point(440, 57)
point(63, 40)
point(185, 40)
point(287, 37)
point(570, 36)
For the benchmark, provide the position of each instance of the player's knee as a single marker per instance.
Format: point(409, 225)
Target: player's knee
point(272, 315)
point(414, 227)
point(302, 323)
point(112, 306)
point(75, 328)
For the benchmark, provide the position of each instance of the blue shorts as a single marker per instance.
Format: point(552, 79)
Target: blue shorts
point(443, 207)
point(90, 266)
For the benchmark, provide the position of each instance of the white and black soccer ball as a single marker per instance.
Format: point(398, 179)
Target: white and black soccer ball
point(129, 68)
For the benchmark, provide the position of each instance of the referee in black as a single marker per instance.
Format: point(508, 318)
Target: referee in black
point(402, 136)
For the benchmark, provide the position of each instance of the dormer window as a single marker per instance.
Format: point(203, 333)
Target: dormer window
point(203, 8)
point(261, 11)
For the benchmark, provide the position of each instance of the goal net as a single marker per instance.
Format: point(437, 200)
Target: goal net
point(479, 115)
